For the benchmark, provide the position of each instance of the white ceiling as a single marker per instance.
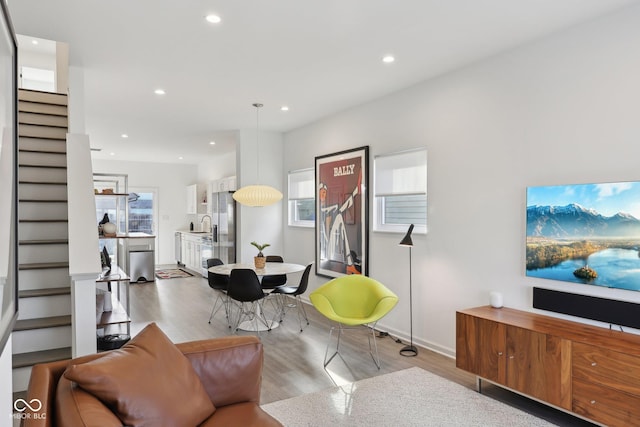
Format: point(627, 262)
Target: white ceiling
point(316, 56)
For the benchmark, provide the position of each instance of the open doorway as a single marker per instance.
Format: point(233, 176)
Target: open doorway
point(143, 212)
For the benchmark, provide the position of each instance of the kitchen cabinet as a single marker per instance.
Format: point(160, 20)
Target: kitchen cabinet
point(192, 251)
point(196, 199)
point(587, 370)
point(224, 185)
point(192, 199)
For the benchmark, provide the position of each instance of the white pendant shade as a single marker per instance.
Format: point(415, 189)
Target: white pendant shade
point(257, 195)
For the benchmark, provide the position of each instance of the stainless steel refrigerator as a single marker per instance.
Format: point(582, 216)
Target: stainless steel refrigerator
point(223, 224)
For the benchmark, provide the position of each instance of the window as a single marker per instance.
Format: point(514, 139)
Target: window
point(400, 191)
point(302, 198)
point(141, 212)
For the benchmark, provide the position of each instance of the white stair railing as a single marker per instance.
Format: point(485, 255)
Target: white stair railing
point(84, 260)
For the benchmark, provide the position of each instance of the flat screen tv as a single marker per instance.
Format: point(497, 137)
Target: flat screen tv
point(588, 234)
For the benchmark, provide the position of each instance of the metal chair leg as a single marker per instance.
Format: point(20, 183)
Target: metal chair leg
point(372, 350)
point(376, 358)
point(223, 302)
point(300, 306)
point(326, 352)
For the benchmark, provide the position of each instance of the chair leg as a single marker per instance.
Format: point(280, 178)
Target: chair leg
point(326, 352)
point(254, 313)
point(259, 315)
point(223, 302)
point(300, 307)
point(376, 358)
point(373, 351)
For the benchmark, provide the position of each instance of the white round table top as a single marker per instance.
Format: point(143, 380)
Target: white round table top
point(270, 268)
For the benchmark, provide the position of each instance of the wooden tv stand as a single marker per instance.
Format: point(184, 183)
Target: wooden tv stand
point(586, 370)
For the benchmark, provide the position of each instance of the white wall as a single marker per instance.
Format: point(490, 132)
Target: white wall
point(6, 391)
point(217, 167)
point(171, 180)
point(561, 110)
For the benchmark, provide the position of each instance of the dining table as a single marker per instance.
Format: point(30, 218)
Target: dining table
point(270, 268)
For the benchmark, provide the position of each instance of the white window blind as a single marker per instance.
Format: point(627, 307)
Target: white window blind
point(400, 191)
point(302, 198)
point(401, 174)
point(301, 184)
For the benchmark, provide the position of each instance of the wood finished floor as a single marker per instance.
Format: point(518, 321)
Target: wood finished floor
point(293, 359)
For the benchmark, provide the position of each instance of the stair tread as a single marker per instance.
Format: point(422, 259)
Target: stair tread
point(21, 360)
point(31, 165)
point(32, 107)
point(45, 292)
point(42, 182)
point(42, 200)
point(28, 150)
point(42, 265)
point(30, 94)
point(44, 242)
point(43, 220)
point(48, 138)
point(42, 323)
point(43, 125)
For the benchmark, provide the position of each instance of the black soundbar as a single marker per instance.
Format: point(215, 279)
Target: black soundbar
point(622, 313)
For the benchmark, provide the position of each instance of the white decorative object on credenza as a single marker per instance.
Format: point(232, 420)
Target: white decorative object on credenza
point(496, 299)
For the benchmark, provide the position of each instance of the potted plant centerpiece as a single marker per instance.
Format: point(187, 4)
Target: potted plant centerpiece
point(260, 260)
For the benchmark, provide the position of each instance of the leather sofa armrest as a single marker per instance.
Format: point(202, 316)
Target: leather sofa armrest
point(230, 368)
point(42, 386)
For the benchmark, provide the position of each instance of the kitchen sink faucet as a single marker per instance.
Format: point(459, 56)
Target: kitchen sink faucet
point(202, 222)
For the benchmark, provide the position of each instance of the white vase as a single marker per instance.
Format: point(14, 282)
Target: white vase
point(109, 229)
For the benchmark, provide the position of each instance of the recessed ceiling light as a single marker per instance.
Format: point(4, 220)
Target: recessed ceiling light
point(388, 59)
point(284, 108)
point(112, 153)
point(159, 92)
point(180, 158)
point(124, 135)
point(212, 143)
point(34, 41)
point(214, 19)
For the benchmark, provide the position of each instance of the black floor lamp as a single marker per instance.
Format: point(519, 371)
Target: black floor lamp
point(409, 350)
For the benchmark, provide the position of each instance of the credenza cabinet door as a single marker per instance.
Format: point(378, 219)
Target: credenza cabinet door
point(606, 385)
point(480, 347)
point(539, 365)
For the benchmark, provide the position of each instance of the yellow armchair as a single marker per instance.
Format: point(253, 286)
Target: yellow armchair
point(352, 301)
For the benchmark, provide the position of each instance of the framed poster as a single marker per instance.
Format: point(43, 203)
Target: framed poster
point(342, 213)
point(8, 178)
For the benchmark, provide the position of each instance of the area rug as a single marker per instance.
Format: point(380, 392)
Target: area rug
point(172, 273)
point(411, 397)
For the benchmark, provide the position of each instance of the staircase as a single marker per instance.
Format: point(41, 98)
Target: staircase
point(43, 330)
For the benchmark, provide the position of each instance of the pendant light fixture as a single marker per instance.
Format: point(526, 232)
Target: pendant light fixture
point(257, 195)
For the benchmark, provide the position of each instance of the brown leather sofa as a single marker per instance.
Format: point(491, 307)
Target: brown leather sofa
point(229, 368)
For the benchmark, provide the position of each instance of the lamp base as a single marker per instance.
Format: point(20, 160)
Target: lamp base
point(409, 351)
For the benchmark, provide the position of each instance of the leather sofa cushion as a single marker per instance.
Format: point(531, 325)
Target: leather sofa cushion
point(76, 407)
point(147, 382)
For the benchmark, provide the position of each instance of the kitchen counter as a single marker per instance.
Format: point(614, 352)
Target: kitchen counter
point(195, 233)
